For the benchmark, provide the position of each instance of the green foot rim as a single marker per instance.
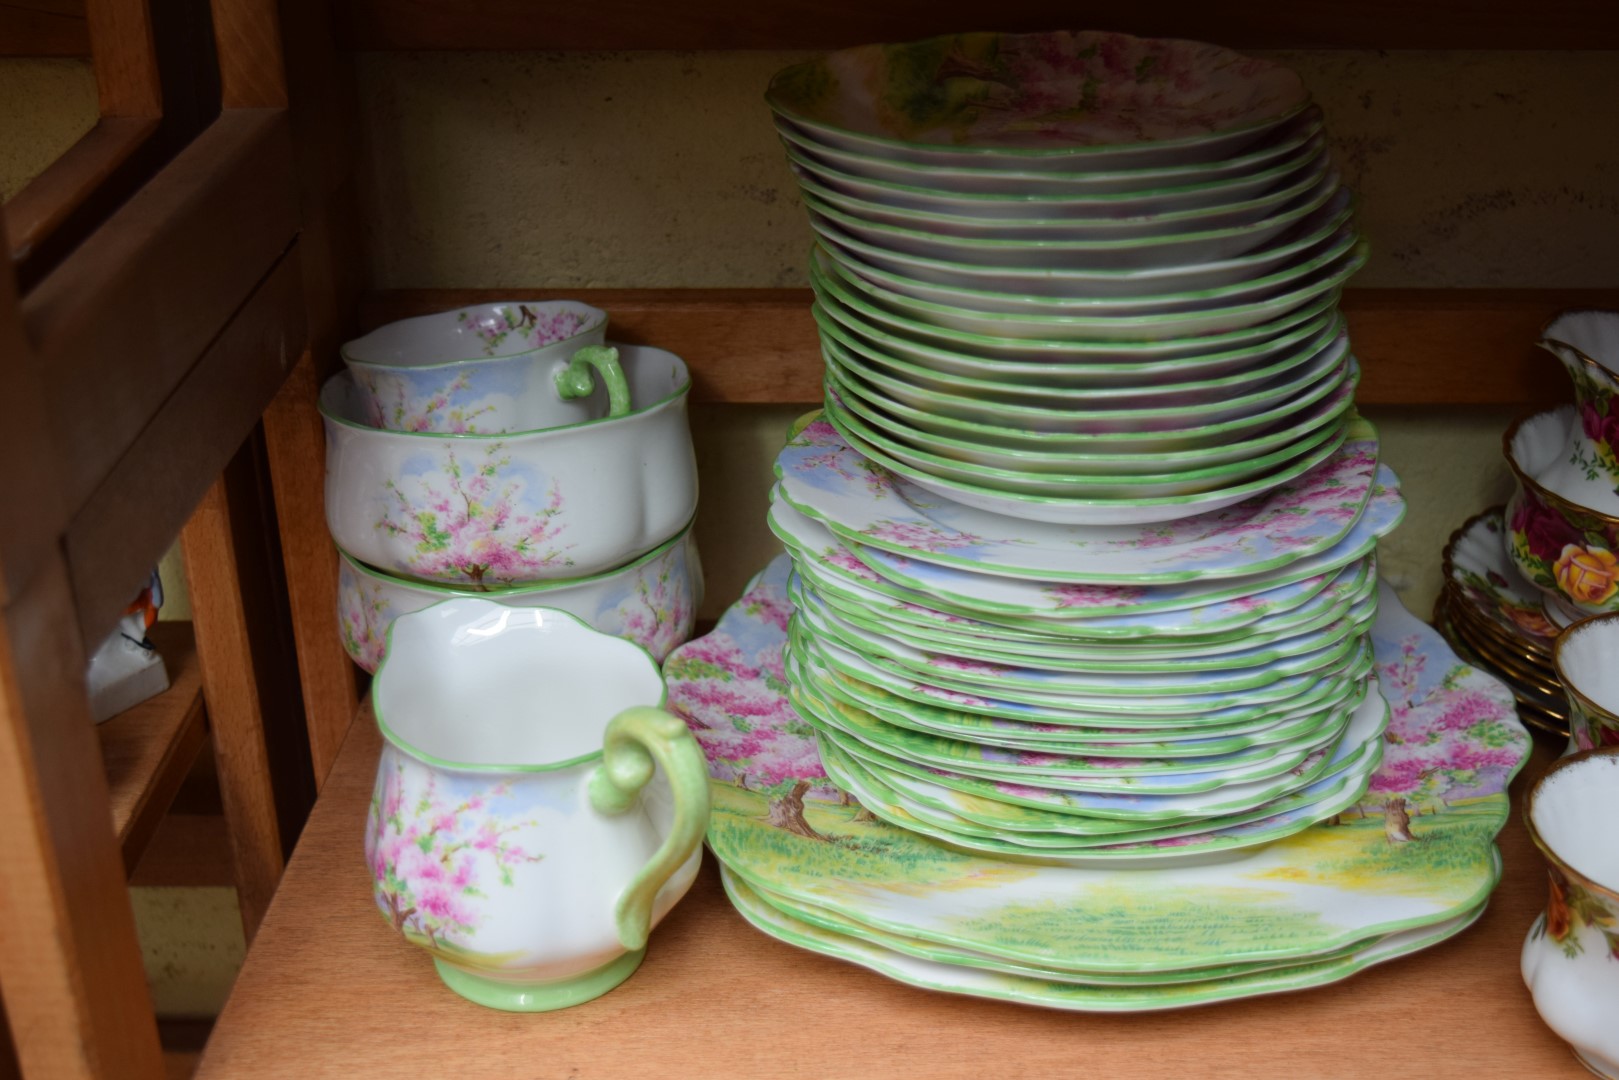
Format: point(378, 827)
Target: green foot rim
point(539, 997)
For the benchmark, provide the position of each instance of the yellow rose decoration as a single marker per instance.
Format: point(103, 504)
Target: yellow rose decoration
point(1589, 575)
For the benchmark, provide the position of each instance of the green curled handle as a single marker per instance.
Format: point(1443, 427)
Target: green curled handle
point(636, 739)
point(576, 380)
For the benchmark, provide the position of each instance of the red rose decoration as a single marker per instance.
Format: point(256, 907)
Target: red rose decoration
point(1544, 530)
point(1590, 420)
point(1608, 432)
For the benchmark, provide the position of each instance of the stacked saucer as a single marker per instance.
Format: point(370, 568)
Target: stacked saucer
point(1407, 865)
point(1081, 694)
point(1082, 278)
point(1499, 621)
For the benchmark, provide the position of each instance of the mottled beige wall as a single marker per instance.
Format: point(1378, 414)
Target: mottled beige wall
point(1473, 169)
point(661, 169)
point(45, 105)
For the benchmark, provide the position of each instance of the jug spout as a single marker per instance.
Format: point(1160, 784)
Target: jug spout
point(1587, 344)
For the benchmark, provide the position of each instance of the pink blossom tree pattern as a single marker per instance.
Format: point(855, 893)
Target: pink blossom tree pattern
point(752, 737)
point(659, 616)
point(533, 328)
point(920, 536)
point(1074, 595)
point(425, 855)
point(472, 529)
point(363, 620)
point(1453, 743)
point(430, 413)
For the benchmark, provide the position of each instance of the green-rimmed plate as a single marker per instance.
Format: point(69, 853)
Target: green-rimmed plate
point(1013, 191)
point(1100, 510)
point(1055, 766)
point(1070, 282)
point(1198, 738)
point(1135, 253)
point(779, 820)
point(920, 964)
point(916, 449)
point(834, 190)
point(1148, 849)
point(1052, 384)
point(1042, 676)
point(822, 476)
point(1059, 100)
point(1085, 414)
point(1153, 324)
point(1149, 198)
point(835, 294)
point(1193, 615)
point(1259, 642)
point(1330, 249)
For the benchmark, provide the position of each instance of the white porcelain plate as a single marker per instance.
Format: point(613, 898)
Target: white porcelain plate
point(1453, 744)
point(825, 478)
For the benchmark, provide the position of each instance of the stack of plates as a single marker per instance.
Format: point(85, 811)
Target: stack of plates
point(1171, 694)
point(1407, 865)
point(1499, 621)
point(1074, 277)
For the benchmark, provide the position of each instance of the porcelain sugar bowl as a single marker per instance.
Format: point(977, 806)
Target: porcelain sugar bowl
point(1571, 957)
point(496, 511)
point(536, 812)
point(507, 366)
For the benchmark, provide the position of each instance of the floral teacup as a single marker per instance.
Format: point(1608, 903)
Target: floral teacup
point(1587, 343)
point(1571, 957)
point(504, 367)
point(518, 831)
point(1584, 657)
point(1568, 550)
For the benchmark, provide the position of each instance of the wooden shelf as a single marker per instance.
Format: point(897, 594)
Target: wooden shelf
point(44, 28)
point(329, 990)
point(759, 346)
point(149, 749)
point(825, 24)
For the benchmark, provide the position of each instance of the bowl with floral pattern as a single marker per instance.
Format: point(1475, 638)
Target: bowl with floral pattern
point(1301, 179)
point(496, 511)
point(1570, 959)
point(1180, 245)
point(1566, 549)
point(1587, 344)
point(512, 365)
point(1583, 657)
point(1059, 100)
point(653, 601)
